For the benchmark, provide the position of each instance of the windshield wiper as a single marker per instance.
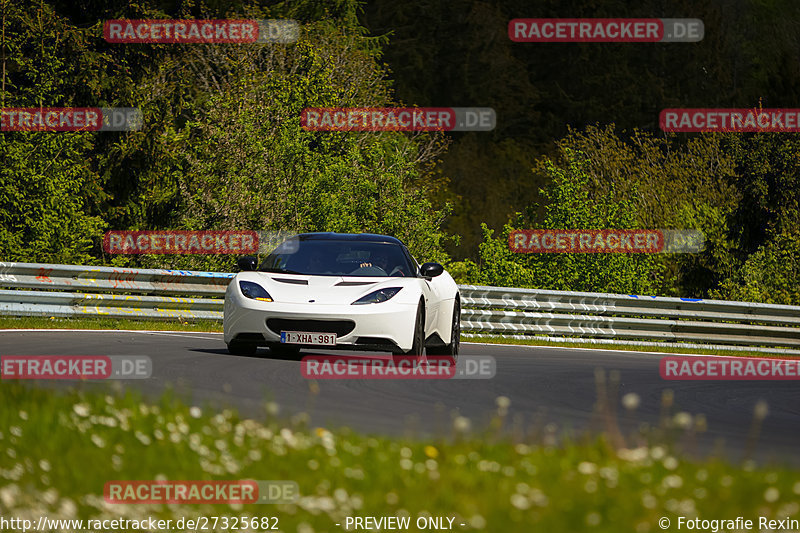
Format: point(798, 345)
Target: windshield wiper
point(281, 271)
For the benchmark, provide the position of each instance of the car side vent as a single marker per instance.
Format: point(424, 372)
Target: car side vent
point(292, 281)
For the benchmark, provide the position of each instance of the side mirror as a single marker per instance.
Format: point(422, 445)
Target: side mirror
point(247, 263)
point(431, 270)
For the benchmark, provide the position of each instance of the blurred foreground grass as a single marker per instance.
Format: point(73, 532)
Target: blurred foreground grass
point(58, 449)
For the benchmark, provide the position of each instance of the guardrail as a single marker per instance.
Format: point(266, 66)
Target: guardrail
point(70, 291)
point(600, 318)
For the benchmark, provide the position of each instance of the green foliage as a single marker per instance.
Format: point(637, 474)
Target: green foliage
point(770, 275)
point(463, 272)
point(511, 477)
point(674, 185)
point(43, 182)
point(249, 164)
point(47, 184)
point(572, 205)
point(221, 147)
point(765, 264)
point(750, 52)
point(741, 191)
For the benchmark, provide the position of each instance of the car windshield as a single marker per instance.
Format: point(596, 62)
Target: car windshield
point(339, 258)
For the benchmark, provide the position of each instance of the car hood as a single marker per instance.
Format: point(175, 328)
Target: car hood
point(295, 288)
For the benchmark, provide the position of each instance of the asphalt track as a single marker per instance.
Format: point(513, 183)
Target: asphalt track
point(545, 386)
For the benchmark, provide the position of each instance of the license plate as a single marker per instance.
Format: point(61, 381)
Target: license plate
point(302, 337)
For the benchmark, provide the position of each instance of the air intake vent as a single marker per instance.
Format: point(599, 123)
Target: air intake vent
point(292, 281)
point(340, 327)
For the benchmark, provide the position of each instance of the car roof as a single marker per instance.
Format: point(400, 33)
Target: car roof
point(363, 237)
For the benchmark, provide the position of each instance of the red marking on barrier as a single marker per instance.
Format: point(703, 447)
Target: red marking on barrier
point(44, 275)
point(123, 277)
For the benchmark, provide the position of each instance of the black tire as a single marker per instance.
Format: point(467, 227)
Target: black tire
point(451, 350)
point(242, 348)
point(418, 345)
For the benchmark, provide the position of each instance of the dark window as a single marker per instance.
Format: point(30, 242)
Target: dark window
point(340, 258)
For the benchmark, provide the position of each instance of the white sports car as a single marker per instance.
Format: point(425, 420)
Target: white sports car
point(345, 291)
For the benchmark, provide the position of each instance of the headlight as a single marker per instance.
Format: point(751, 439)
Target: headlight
point(254, 291)
point(376, 297)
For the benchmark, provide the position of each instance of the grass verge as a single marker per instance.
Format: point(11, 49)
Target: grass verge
point(663, 348)
point(58, 449)
point(108, 323)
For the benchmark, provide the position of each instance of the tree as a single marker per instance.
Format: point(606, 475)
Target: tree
point(572, 205)
point(47, 183)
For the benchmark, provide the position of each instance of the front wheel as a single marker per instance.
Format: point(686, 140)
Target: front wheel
point(418, 344)
point(451, 350)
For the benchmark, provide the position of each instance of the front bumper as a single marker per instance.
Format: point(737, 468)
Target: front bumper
point(386, 324)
